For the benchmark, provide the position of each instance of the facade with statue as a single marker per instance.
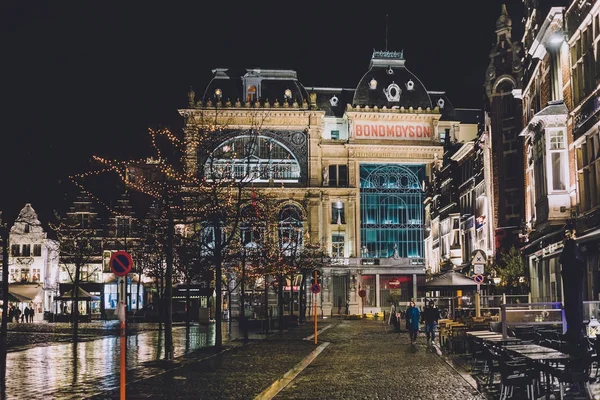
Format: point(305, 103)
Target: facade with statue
point(348, 165)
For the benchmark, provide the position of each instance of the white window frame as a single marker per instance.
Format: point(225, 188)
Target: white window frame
point(557, 147)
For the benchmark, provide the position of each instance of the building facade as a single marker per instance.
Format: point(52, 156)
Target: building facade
point(503, 84)
point(32, 265)
point(351, 166)
point(583, 39)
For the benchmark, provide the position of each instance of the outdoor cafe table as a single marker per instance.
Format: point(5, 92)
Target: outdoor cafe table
point(481, 333)
point(500, 340)
point(546, 358)
point(530, 349)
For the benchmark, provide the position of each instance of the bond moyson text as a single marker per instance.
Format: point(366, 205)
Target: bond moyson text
point(391, 130)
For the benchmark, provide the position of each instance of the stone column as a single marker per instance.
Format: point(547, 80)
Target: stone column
point(325, 223)
point(414, 287)
point(353, 292)
point(352, 225)
point(377, 292)
point(314, 225)
point(326, 306)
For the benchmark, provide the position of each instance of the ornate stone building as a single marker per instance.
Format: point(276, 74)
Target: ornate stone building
point(33, 264)
point(503, 91)
point(351, 166)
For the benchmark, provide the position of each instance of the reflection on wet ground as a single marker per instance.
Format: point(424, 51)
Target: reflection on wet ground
point(69, 371)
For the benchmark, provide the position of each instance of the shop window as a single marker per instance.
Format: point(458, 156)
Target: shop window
point(24, 274)
point(338, 175)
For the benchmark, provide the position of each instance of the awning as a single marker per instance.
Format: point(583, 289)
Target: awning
point(450, 280)
point(83, 295)
point(13, 298)
point(25, 292)
point(594, 235)
point(87, 286)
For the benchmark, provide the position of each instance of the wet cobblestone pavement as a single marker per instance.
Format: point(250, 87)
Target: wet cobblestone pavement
point(362, 361)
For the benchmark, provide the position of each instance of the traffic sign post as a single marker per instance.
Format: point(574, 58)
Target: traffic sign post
point(315, 290)
point(121, 264)
point(478, 279)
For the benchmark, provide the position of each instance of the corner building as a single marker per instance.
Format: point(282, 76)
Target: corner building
point(353, 165)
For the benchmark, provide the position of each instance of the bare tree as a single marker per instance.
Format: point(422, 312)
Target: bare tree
point(80, 242)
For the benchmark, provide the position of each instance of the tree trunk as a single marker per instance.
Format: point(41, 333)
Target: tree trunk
point(188, 314)
point(169, 286)
point(302, 300)
point(243, 321)
point(75, 302)
point(291, 293)
point(4, 231)
point(218, 268)
point(280, 302)
point(268, 326)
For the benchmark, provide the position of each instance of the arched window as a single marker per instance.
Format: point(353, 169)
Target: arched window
point(253, 158)
point(290, 228)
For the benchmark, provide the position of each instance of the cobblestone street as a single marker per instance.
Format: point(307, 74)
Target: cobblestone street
point(361, 360)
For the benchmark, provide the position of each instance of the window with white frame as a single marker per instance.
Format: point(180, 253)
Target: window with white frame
point(557, 152)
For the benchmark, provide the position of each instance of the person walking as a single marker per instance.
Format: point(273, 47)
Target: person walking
point(26, 314)
point(412, 321)
point(431, 315)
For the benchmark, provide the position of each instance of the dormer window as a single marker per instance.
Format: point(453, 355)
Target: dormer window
point(251, 93)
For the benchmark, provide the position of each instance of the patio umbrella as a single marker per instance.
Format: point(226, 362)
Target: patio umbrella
point(573, 272)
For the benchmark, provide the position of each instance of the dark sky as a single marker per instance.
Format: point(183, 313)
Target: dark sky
point(89, 78)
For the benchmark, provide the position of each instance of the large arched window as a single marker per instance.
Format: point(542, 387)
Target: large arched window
point(290, 228)
point(391, 210)
point(253, 158)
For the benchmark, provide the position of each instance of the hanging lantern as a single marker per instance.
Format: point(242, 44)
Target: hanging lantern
point(593, 328)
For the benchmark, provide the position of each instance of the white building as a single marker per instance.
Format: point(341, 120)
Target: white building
point(33, 264)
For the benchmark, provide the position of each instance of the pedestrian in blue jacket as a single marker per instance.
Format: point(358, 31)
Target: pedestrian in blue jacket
point(412, 321)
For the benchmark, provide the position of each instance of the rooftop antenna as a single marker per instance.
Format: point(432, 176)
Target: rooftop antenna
point(386, 32)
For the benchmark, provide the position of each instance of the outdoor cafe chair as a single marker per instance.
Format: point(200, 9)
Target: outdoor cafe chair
point(573, 372)
point(492, 364)
point(516, 375)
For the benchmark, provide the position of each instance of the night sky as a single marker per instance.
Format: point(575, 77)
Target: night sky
point(89, 78)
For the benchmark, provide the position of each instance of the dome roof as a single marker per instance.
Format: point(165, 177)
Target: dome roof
point(388, 83)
